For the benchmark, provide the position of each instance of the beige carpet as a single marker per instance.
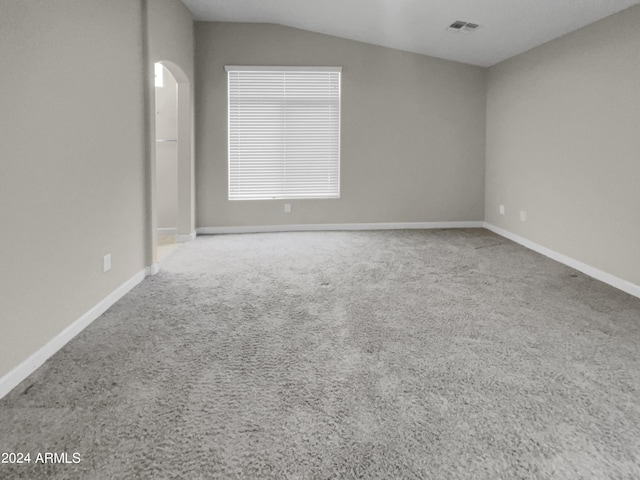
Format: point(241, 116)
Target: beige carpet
point(451, 354)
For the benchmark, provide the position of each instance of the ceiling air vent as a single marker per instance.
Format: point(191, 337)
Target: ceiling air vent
point(465, 27)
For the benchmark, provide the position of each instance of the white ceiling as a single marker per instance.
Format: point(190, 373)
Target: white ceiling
point(507, 27)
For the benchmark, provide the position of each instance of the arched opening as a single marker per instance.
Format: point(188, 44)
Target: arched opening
point(172, 170)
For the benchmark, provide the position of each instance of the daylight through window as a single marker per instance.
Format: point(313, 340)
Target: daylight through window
point(284, 132)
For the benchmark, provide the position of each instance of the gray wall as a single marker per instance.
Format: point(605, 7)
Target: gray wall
point(171, 34)
point(73, 162)
point(563, 144)
point(171, 42)
point(71, 168)
point(413, 130)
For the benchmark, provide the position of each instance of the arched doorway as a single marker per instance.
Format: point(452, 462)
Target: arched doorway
point(172, 202)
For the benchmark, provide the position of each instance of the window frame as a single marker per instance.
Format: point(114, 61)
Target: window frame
point(282, 195)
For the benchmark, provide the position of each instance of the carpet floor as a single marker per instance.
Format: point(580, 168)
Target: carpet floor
point(443, 354)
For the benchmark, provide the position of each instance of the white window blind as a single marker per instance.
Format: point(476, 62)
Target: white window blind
point(284, 132)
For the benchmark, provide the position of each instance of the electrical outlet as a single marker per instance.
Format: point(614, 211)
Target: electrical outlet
point(106, 262)
point(287, 208)
point(523, 216)
point(501, 209)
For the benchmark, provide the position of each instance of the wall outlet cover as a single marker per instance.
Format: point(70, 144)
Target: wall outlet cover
point(287, 208)
point(106, 262)
point(501, 209)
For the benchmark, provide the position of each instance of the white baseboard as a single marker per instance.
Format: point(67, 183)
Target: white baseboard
point(10, 380)
point(336, 227)
point(593, 272)
point(190, 237)
point(152, 270)
point(166, 231)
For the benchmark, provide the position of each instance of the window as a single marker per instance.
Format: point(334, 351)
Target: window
point(284, 132)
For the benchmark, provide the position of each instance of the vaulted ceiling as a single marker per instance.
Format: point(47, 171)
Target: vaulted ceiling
point(506, 27)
